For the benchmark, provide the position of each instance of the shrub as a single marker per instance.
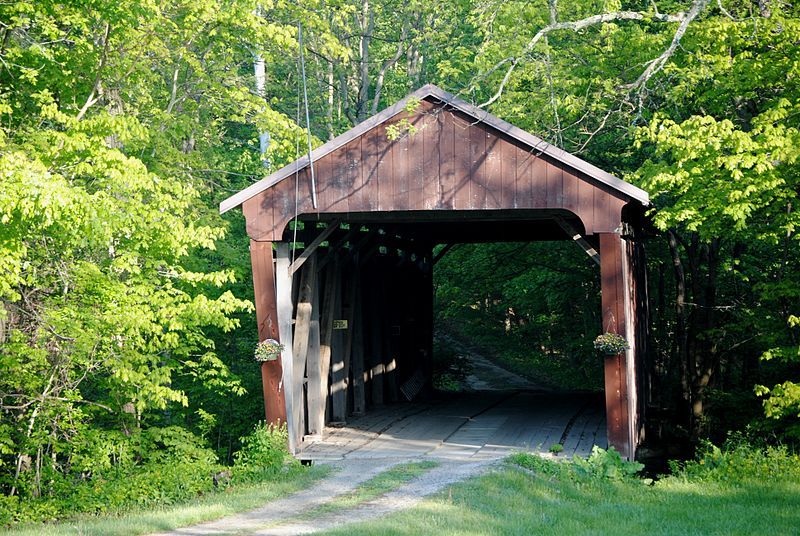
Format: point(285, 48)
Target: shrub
point(155, 467)
point(263, 452)
point(602, 465)
point(739, 462)
point(606, 465)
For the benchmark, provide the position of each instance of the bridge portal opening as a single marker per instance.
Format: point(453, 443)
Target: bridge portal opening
point(344, 241)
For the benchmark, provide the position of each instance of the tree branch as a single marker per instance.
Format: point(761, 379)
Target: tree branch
point(657, 64)
point(93, 97)
point(580, 25)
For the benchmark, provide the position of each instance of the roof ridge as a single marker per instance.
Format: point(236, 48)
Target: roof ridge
point(431, 90)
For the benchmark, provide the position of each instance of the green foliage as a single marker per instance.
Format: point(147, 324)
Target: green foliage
point(602, 465)
point(263, 452)
point(606, 465)
point(610, 344)
point(534, 307)
point(114, 473)
point(450, 368)
point(738, 463)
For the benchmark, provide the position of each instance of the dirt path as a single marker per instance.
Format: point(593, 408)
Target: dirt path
point(400, 499)
point(466, 434)
point(290, 516)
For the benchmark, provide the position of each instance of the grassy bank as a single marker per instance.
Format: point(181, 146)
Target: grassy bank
point(214, 506)
point(546, 499)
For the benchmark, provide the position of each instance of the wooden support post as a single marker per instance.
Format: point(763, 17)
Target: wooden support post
point(349, 317)
point(357, 351)
point(283, 287)
point(376, 337)
point(316, 391)
point(612, 281)
point(318, 375)
point(302, 336)
point(394, 326)
point(338, 358)
point(267, 320)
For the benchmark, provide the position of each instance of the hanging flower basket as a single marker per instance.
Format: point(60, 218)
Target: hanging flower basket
point(268, 350)
point(610, 344)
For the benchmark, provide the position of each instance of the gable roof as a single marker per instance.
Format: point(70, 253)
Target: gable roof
point(430, 90)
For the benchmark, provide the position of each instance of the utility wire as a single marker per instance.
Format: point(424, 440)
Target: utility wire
point(308, 120)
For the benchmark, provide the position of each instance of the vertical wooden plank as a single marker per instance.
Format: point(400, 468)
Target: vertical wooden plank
point(377, 335)
point(538, 183)
point(283, 288)
point(369, 172)
point(631, 372)
point(349, 316)
point(356, 202)
point(392, 319)
point(343, 177)
point(258, 215)
point(602, 211)
point(384, 167)
point(416, 170)
point(267, 321)
point(318, 385)
point(338, 372)
point(357, 354)
point(400, 170)
point(352, 179)
point(316, 388)
point(463, 162)
point(508, 173)
point(327, 170)
point(283, 201)
point(493, 166)
point(555, 185)
point(586, 204)
point(612, 297)
point(302, 334)
point(524, 178)
point(431, 134)
point(478, 141)
point(570, 191)
point(447, 167)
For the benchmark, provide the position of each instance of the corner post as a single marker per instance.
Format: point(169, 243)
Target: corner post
point(283, 288)
point(614, 294)
point(267, 320)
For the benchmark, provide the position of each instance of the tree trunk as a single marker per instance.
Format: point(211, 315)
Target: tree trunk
point(680, 320)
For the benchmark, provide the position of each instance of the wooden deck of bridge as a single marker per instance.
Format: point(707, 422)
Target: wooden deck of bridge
point(472, 426)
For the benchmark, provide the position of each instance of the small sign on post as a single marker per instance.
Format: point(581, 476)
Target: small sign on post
point(340, 324)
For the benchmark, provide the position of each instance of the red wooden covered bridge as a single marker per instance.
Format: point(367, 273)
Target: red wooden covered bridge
point(352, 302)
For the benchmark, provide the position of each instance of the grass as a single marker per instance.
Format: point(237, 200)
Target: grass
point(515, 501)
point(378, 485)
point(233, 500)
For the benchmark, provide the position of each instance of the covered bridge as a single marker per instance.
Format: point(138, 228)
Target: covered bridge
point(352, 301)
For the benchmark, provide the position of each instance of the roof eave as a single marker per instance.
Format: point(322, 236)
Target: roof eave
point(431, 90)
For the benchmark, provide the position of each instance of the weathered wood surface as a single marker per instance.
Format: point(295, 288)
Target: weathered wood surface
point(267, 320)
point(338, 358)
point(484, 425)
point(318, 375)
point(292, 390)
point(451, 162)
point(612, 287)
